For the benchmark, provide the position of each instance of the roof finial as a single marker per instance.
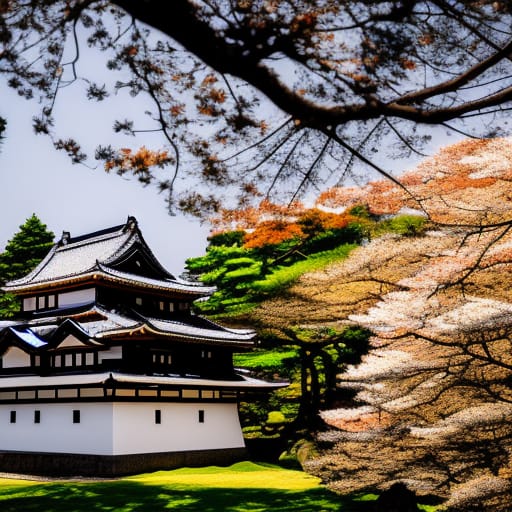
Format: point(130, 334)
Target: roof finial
point(131, 223)
point(66, 236)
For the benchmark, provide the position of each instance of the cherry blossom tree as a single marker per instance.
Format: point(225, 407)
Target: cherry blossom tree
point(432, 401)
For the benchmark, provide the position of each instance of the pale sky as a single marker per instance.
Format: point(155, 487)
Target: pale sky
point(35, 178)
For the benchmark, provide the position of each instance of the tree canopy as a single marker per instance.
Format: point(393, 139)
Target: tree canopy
point(267, 97)
point(22, 253)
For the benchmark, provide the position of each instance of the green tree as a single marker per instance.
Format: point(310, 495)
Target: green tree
point(22, 253)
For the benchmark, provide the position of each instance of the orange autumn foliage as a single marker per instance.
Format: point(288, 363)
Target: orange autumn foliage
point(248, 218)
point(272, 232)
point(137, 162)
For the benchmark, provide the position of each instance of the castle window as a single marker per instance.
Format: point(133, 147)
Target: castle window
point(51, 301)
point(29, 304)
point(200, 416)
point(37, 416)
point(171, 307)
point(76, 416)
point(161, 305)
point(40, 302)
point(158, 416)
point(12, 418)
point(138, 301)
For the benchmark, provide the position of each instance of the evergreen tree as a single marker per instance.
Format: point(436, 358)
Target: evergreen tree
point(22, 253)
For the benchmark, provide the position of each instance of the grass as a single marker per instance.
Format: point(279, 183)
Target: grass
point(284, 277)
point(268, 359)
point(243, 487)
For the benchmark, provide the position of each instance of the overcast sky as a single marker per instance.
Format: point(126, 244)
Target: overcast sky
point(35, 178)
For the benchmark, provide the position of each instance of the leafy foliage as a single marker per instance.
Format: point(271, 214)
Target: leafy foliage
point(22, 253)
point(269, 254)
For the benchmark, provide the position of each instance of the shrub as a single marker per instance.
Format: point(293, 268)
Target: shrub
point(407, 225)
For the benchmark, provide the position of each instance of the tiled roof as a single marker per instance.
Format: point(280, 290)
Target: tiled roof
point(86, 257)
point(111, 324)
point(193, 330)
point(73, 259)
point(166, 284)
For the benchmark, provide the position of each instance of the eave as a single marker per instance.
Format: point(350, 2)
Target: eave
point(113, 378)
point(147, 332)
point(101, 277)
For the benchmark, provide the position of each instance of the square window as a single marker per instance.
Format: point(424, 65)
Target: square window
point(37, 416)
point(138, 301)
point(12, 418)
point(201, 416)
point(158, 416)
point(76, 416)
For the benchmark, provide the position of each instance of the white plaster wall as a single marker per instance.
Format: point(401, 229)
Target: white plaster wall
point(77, 298)
point(119, 428)
point(57, 433)
point(15, 357)
point(135, 430)
point(111, 353)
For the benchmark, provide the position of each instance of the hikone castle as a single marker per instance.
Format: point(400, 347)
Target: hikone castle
point(108, 371)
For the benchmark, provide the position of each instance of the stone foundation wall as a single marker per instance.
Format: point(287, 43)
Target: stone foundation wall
point(63, 464)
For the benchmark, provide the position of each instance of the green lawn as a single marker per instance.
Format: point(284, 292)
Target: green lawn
point(245, 486)
point(242, 487)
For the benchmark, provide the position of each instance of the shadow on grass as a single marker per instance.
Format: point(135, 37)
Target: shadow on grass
point(122, 496)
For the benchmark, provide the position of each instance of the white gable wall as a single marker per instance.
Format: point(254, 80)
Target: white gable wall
point(15, 358)
point(71, 341)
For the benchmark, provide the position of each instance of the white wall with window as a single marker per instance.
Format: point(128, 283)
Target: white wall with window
point(119, 428)
point(56, 432)
point(180, 428)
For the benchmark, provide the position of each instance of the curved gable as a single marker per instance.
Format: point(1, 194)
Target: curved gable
point(139, 261)
point(15, 357)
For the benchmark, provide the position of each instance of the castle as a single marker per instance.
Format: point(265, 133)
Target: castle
point(108, 371)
